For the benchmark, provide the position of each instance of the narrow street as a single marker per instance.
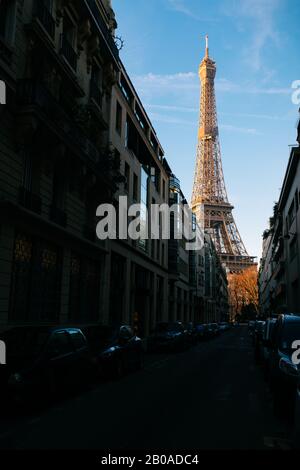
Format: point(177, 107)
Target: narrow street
point(209, 397)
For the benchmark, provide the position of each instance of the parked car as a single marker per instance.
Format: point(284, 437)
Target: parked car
point(257, 339)
point(190, 332)
point(201, 331)
point(43, 361)
point(284, 373)
point(117, 349)
point(251, 325)
point(265, 348)
point(214, 328)
point(224, 326)
point(167, 336)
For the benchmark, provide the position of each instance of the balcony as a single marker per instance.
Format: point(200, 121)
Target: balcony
point(31, 93)
point(174, 184)
point(29, 200)
point(106, 34)
point(96, 94)
point(68, 52)
point(58, 216)
point(42, 13)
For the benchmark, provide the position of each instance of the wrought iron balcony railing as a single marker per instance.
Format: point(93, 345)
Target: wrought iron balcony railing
point(42, 13)
point(34, 93)
point(29, 200)
point(92, 5)
point(68, 52)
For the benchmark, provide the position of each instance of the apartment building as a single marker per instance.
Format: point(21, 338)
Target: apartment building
point(138, 269)
point(279, 276)
point(186, 273)
point(59, 62)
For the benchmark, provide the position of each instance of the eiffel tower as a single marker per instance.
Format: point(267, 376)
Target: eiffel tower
point(209, 199)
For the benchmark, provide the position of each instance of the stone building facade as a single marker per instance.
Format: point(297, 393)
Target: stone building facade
point(74, 135)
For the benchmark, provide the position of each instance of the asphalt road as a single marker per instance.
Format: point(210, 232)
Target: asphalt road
point(209, 397)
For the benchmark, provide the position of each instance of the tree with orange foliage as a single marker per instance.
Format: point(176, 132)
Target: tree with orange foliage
point(243, 291)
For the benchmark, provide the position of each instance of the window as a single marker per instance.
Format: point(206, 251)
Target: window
point(96, 76)
point(69, 31)
point(163, 255)
point(77, 339)
point(144, 206)
point(296, 201)
point(127, 177)
point(27, 171)
point(7, 20)
point(164, 190)
point(126, 133)
point(49, 5)
point(96, 84)
point(155, 176)
point(291, 214)
point(58, 187)
point(135, 187)
point(194, 222)
point(68, 43)
point(119, 119)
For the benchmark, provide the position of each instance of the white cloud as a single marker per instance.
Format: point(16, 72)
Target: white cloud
point(260, 15)
point(170, 119)
point(191, 110)
point(174, 120)
point(175, 81)
point(181, 6)
point(270, 117)
point(240, 130)
point(156, 117)
point(176, 109)
point(188, 81)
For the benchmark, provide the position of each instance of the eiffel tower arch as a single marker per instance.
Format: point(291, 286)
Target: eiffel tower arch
point(209, 198)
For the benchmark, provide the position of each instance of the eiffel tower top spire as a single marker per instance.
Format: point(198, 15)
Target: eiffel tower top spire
point(209, 199)
point(206, 48)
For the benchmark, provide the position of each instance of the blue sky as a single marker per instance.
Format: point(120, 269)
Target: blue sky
point(256, 46)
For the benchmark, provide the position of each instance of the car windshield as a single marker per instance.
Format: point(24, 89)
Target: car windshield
point(25, 342)
point(101, 335)
point(291, 333)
